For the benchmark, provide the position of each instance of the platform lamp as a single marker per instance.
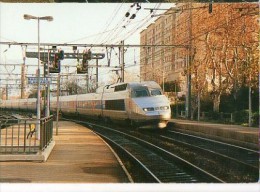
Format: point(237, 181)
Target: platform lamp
point(47, 18)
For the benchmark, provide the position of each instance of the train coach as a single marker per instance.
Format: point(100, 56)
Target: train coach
point(139, 104)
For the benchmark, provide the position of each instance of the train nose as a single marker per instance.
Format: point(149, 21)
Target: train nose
point(164, 115)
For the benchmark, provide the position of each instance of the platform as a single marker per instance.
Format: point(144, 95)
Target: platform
point(79, 156)
point(234, 134)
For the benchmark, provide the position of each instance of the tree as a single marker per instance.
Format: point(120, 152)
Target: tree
point(73, 88)
point(33, 92)
point(230, 48)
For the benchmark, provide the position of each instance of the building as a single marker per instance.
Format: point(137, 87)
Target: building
point(210, 46)
point(164, 63)
point(156, 61)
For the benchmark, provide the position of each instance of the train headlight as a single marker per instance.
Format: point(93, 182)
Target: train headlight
point(164, 107)
point(148, 109)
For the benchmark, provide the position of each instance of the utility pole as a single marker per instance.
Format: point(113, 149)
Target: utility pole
point(47, 110)
point(58, 104)
point(87, 76)
point(87, 81)
point(38, 104)
point(249, 103)
point(122, 61)
point(23, 79)
point(189, 58)
point(96, 73)
point(6, 92)
point(23, 76)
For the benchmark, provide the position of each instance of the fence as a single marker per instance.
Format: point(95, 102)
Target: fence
point(18, 136)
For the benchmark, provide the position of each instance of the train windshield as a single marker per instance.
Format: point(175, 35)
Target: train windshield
point(140, 92)
point(155, 92)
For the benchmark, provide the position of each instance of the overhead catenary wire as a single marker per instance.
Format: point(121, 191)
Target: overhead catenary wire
point(119, 34)
point(118, 28)
point(109, 22)
point(138, 26)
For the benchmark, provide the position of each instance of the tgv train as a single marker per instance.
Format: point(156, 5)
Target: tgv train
point(141, 104)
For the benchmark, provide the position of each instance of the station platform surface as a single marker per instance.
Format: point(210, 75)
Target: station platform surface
point(234, 134)
point(79, 156)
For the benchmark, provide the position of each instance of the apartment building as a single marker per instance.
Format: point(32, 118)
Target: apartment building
point(206, 44)
point(164, 63)
point(156, 61)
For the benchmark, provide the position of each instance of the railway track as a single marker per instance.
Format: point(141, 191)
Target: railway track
point(154, 164)
point(229, 162)
point(241, 155)
point(7, 119)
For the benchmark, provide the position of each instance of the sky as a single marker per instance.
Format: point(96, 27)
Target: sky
point(95, 23)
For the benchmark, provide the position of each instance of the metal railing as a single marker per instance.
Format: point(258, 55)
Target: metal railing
point(18, 136)
point(46, 134)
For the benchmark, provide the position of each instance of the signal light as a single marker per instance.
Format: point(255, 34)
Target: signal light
point(89, 55)
point(45, 68)
point(56, 63)
point(61, 54)
point(74, 48)
point(56, 58)
point(84, 60)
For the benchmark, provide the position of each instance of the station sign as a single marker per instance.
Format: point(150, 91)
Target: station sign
point(43, 80)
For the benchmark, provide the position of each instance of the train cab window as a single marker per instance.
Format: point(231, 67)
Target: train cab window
point(155, 92)
point(140, 92)
point(120, 87)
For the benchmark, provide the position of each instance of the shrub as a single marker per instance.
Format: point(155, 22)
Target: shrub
point(255, 119)
point(241, 116)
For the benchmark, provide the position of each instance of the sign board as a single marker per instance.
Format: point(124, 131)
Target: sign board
point(44, 55)
point(34, 80)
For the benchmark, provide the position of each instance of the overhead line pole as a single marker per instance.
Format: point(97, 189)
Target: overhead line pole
point(122, 61)
point(96, 73)
point(189, 58)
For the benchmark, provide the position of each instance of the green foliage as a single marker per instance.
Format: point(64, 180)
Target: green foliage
point(214, 115)
point(237, 101)
point(176, 109)
point(241, 116)
point(255, 119)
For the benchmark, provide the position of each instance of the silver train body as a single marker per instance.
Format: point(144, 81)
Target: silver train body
point(141, 104)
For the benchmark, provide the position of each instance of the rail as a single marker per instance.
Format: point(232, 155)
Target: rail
point(18, 136)
point(153, 163)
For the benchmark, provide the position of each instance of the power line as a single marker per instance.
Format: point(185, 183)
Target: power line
point(111, 20)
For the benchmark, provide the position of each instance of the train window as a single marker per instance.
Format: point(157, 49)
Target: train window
point(155, 92)
point(140, 92)
point(120, 87)
point(118, 105)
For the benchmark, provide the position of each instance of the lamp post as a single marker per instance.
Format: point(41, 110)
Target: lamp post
point(38, 106)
